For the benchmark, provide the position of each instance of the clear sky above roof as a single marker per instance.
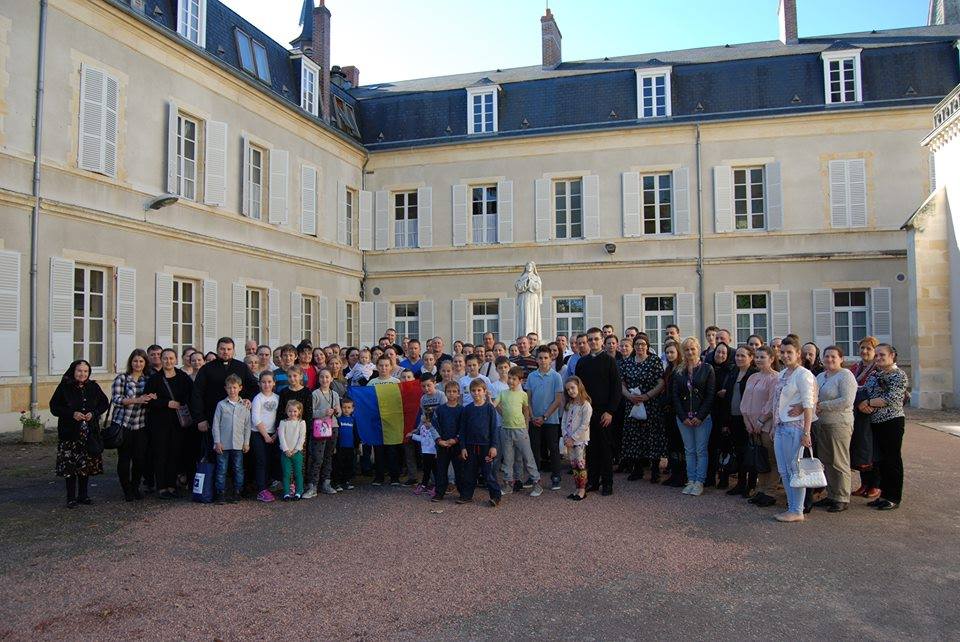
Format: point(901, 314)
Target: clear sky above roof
point(391, 40)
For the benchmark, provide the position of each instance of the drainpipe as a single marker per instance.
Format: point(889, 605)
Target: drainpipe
point(700, 230)
point(35, 217)
point(363, 257)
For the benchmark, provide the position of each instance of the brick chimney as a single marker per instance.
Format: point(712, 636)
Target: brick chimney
point(550, 40)
point(352, 74)
point(787, 13)
point(321, 55)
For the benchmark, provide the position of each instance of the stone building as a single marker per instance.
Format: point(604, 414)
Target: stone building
point(757, 186)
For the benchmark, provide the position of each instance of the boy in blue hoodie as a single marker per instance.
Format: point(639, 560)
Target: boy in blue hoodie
point(445, 425)
point(477, 438)
point(345, 457)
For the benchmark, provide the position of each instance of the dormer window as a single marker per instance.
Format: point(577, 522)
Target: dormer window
point(482, 109)
point(653, 93)
point(346, 117)
point(253, 56)
point(309, 79)
point(841, 77)
point(192, 21)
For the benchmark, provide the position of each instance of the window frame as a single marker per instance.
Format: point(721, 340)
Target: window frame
point(183, 27)
point(263, 200)
point(309, 308)
point(567, 319)
point(568, 197)
point(402, 323)
point(351, 323)
point(851, 345)
point(177, 302)
point(748, 171)
point(405, 232)
point(657, 204)
point(652, 74)
point(309, 100)
point(259, 69)
point(753, 328)
point(350, 204)
point(840, 56)
point(198, 143)
point(662, 316)
point(490, 321)
point(88, 319)
point(484, 229)
point(254, 317)
point(482, 92)
point(346, 115)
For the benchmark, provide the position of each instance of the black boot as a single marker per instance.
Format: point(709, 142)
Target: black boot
point(83, 496)
point(71, 492)
point(637, 472)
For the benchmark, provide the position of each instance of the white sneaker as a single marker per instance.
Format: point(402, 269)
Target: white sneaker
point(311, 492)
point(328, 489)
point(537, 490)
point(697, 489)
point(686, 489)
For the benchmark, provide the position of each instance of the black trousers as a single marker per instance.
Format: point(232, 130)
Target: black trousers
point(445, 455)
point(386, 458)
point(131, 457)
point(600, 454)
point(266, 459)
point(73, 483)
point(344, 461)
point(429, 466)
point(738, 437)
point(887, 444)
point(165, 438)
point(547, 437)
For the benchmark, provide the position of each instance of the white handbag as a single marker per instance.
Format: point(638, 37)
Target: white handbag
point(639, 410)
point(809, 472)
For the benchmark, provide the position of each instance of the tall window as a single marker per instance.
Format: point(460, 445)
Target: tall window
point(482, 111)
point(187, 156)
point(184, 314)
point(307, 317)
point(752, 316)
point(486, 318)
point(255, 315)
point(405, 219)
point(850, 319)
point(351, 324)
point(308, 86)
point(841, 73)
point(406, 320)
point(569, 316)
point(253, 56)
point(255, 173)
point(748, 198)
point(89, 315)
point(657, 204)
point(484, 217)
point(190, 21)
point(348, 213)
point(654, 93)
point(658, 313)
point(568, 208)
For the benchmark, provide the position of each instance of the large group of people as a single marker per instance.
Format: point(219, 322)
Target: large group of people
point(737, 418)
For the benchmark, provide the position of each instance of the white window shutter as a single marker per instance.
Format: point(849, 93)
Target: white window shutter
point(591, 206)
point(366, 220)
point(773, 189)
point(273, 319)
point(10, 313)
point(61, 314)
point(823, 317)
point(215, 169)
point(723, 198)
point(172, 186)
point(126, 316)
point(381, 220)
point(366, 324)
point(593, 311)
point(245, 178)
point(425, 216)
point(425, 311)
point(342, 216)
point(505, 211)
point(723, 316)
point(880, 308)
point(779, 313)
point(324, 325)
point(296, 315)
point(459, 322)
point(164, 310)
point(630, 193)
point(341, 322)
point(210, 315)
point(632, 311)
point(308, 200)
point(111, 122)
point(92, 108)
point(686, 314)
point(381, 318)
point(508, 319)
point(546, 319)
point(681, 201)
point(459, 215)
point(239, 315)
point(839, 207)
point(542, 210)
point(857, 190)
point(279, 185)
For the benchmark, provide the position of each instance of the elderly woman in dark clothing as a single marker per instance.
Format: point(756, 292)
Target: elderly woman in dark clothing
point(77, 403)
point(811, 358)
point(169, 391)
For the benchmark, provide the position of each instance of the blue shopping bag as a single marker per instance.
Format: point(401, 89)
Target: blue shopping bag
point(203, 478)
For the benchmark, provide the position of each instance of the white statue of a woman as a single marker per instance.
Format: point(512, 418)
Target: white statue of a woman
point(529, 296)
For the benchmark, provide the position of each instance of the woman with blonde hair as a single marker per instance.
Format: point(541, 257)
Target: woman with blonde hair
point(693, 390)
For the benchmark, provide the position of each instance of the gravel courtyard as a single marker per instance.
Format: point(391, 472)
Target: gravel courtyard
point(381, 563)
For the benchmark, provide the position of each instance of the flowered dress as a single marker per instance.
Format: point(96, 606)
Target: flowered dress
point(643, 439)
point(72, 456)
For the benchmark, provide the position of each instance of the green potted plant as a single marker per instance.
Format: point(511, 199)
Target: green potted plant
point(32, 428)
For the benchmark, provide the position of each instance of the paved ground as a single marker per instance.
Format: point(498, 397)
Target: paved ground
point(646, 563)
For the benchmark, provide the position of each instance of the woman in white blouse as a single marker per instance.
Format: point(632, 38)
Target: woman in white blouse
point(797, 386)
point(834, 427)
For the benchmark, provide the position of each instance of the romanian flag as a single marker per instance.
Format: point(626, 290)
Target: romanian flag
point(385, 415)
